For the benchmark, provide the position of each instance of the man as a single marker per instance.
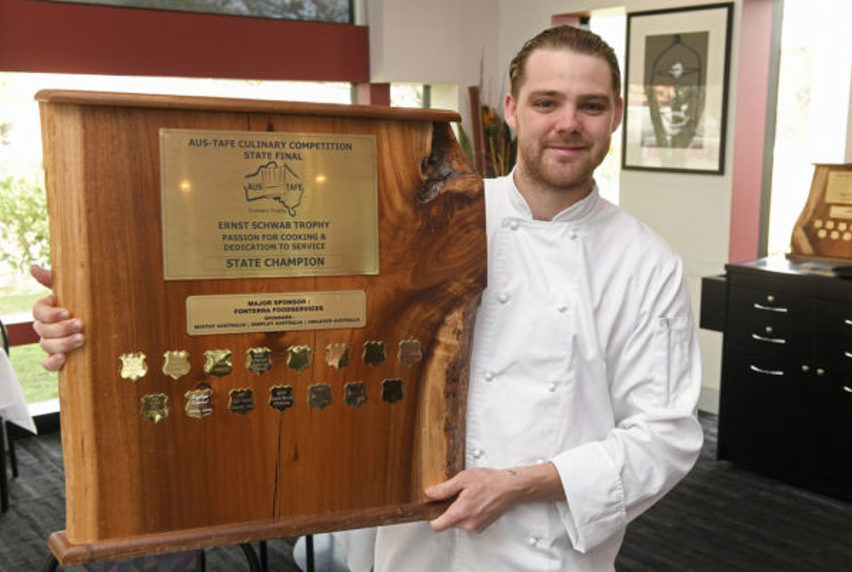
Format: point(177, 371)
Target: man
point(585, 368)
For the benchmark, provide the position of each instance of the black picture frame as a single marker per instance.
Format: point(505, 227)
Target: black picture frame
point(677, 69)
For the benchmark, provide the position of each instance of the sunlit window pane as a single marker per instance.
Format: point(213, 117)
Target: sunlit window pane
point(813, 106)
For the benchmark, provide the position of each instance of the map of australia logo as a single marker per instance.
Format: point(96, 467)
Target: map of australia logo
point(275, 182)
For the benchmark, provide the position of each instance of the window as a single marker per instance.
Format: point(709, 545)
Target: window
point(340, 11)
point(813, 106)
point(611, 25)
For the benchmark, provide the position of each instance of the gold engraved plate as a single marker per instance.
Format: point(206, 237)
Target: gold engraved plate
point(392, 390)
point(259, 360)
point(355, 393)
point(199, 402)
point(299, 358)
point(133, 366)
point(155, 407)
point(176, 363)
point(281, 397)
point(218, 362)
point(319, 395)
point(337, 355)
point(238, 204)
point(281, 312)
point(838, 189)
point(409, 352)
point(241, 401)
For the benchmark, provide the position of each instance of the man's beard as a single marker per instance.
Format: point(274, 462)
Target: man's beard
point(565, 174)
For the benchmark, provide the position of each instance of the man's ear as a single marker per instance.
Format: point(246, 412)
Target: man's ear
point(619, 114)
point(510, 111)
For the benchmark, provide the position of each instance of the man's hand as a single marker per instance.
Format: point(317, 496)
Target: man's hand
point(59, 332)
point(485, 494)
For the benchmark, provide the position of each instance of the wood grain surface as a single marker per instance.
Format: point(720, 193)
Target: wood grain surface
point(186, 482)
point(811, 238)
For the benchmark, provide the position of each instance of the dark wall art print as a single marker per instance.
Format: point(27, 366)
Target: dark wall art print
point(676, 93)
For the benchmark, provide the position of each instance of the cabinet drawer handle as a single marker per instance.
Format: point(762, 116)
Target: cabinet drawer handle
point(765, 371)
point(848, 354)
point(847, 389)
point(770, 340)
point(772, 309)
point(848, 322)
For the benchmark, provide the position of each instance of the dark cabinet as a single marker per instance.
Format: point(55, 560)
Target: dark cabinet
point(786, 395)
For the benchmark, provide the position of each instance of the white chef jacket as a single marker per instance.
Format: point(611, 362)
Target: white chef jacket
point(585, 355)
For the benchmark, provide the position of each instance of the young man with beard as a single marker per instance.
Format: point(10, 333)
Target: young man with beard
point(585, 371)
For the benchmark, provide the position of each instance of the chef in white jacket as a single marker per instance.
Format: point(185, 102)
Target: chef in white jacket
point(585, 370)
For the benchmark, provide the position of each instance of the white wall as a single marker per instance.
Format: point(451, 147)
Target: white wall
point(432, 41)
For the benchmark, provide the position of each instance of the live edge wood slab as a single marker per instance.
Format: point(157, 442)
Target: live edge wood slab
point(137, 487)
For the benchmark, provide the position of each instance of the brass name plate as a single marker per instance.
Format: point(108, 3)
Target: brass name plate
point(839, 188)
point(239, 204)
point(290, 311)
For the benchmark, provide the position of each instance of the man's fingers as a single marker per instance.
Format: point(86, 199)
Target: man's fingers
point(448, 519)
point(55, 330)
point(61, 345)
point(45, 310)
point(53, 362)
point(42, 275)
point(444, 490)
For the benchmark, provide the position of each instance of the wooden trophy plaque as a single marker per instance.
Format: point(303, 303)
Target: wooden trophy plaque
point(824, 228)
point(278, 299)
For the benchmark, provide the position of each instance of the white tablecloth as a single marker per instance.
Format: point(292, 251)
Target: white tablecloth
point(13, 407)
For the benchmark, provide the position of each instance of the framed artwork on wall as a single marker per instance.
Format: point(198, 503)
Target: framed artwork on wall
point(676, 90)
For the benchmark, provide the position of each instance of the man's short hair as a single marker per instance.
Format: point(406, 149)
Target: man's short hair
point(564, 37)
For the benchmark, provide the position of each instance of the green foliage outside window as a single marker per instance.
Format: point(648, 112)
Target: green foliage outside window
point(23, 223)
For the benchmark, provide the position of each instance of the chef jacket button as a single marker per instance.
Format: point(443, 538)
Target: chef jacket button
point(540, 461)
point(562, 308)
point(477, 453)
point(532, 540)
point(503, 298)
point(551, 387)
point(489, 375)
point(514, 225)
point(572, 235)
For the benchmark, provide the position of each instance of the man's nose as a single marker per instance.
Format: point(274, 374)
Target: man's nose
point(568, 120)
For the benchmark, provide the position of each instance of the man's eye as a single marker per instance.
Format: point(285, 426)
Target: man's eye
point(544, 104)
point(594, 107)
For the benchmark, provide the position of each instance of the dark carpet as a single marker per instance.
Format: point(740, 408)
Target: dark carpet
point(719, 518)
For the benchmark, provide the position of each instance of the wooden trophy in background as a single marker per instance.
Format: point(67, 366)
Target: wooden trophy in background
point(278, 300)
point(824, 229)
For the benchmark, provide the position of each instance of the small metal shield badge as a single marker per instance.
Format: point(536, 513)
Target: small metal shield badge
point(409, 352)
point(258, 360)
point(155, 407)
point(199, 402)
point(392, 390)
point(319, 395)
point(356, 393)
point(176, 363)
point(337, 355)
point(218, 362)
point(133, 366)
point(241, 401)
point(281, 397)
point(299, 357)
point(374, 353)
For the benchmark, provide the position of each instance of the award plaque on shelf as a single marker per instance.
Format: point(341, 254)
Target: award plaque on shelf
point(278, 299)
point(824, 228)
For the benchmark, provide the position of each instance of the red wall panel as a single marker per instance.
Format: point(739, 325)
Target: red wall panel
point(40, 36)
